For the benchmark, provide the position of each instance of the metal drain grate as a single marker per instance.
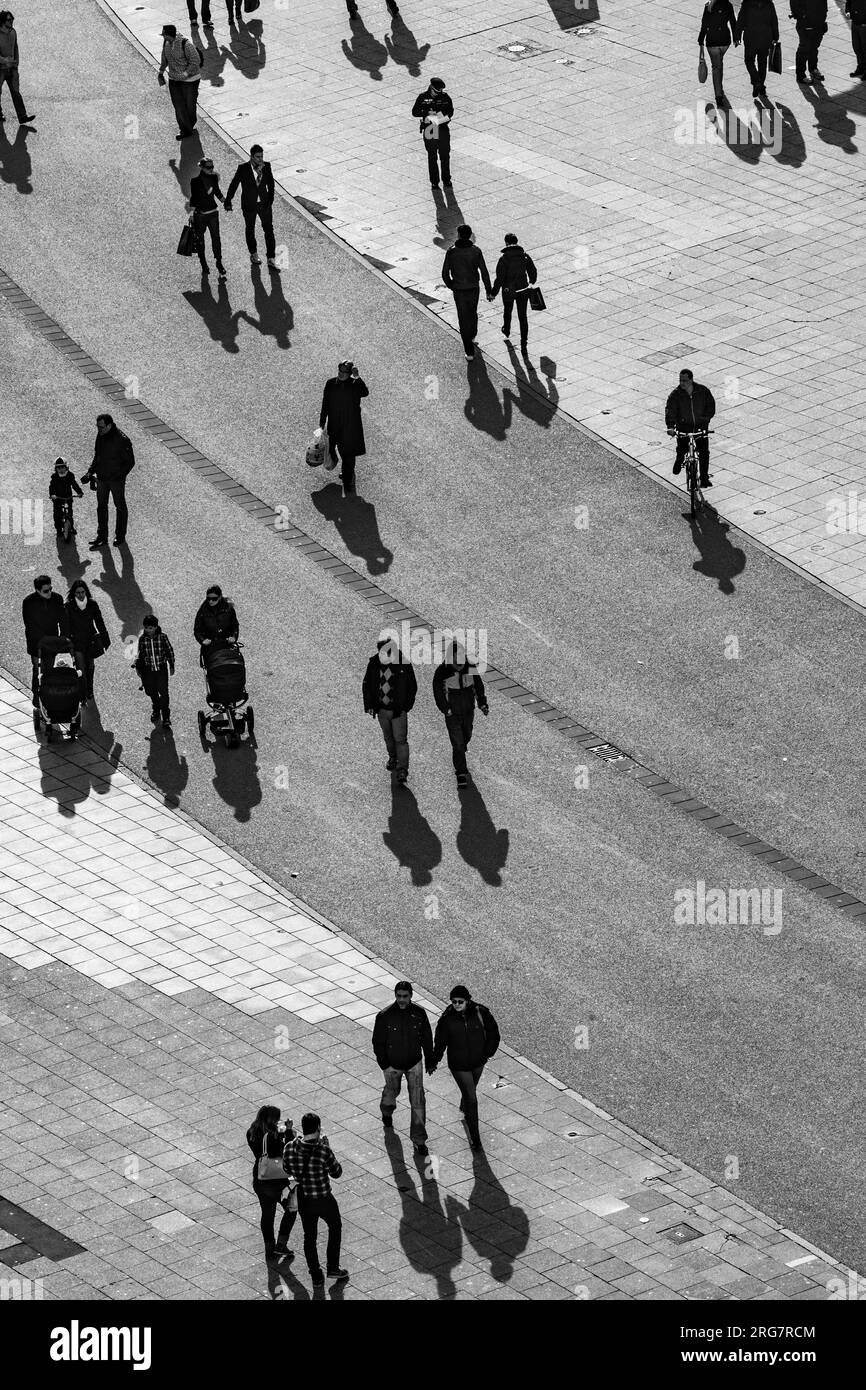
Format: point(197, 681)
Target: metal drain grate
point(518, 49)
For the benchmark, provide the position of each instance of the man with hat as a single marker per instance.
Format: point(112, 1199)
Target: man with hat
point(204, 193)
point(183, 61)
point(435, 109)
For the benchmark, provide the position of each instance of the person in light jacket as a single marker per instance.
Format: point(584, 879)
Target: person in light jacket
point(457, 688)
point(183, 62)
point(718, 31)
point(758, 27)
point(469, 1034)
point(515, 272)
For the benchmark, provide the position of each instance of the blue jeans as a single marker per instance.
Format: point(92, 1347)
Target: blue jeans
point(395, 731)
point(468, 1083)
point(417, 1100)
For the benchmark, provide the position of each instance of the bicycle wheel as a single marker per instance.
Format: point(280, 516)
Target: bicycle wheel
point(692, 481)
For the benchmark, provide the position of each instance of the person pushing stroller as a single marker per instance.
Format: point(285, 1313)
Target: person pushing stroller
point(216, 622)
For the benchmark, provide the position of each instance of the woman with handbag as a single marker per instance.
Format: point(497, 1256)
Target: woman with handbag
point(87, 631)
point(267, 1138)
point(515, 273)
point(718, 31)
point(758, 27)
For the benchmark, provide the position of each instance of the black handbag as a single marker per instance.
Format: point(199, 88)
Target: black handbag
point(775, 63)
point(536, 298)
point(187, 244)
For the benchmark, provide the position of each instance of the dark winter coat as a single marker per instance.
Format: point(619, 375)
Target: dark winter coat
point(86, 629)
point(719, 25)
point(218, 623)
point(456, 689)
point(341, 414)
point(462, 266)
point(810, 14)
point(469, 1037)
point(758, 25)
point(204, 192)
point(63, 487)
point(113, 457)
point(515, 270)
point(685, 412)
point(404, 686)
point(438, 101)
point(401, 1037)
point(253, 194)
point(856, 11)
point(43, 617)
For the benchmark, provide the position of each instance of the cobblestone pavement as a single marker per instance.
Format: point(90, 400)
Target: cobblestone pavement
point(660, 241)
point(155, 990)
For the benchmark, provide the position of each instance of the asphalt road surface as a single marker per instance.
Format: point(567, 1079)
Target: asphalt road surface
point(697, 654)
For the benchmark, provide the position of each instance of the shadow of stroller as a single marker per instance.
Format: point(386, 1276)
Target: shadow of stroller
point(128, 601)
point(429, 1230)
point(356, 522)
point(166, 769)
point(275, 317)
point(71, 771)
point(479, 843)
point(719, 559)
point(410, 837)
point(403, 48)
point(236, 779)
point(16, 165)
point(364, 52)
point(497, 1230)
point(216, 314)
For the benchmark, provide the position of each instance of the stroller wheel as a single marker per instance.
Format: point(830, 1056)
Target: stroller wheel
point(251, 719)
point(202, 727)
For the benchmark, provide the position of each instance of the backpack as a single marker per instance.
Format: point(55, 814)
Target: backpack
point(199, 51)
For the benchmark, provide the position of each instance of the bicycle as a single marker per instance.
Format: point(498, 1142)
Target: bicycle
point(692, 466)
point(67, 524)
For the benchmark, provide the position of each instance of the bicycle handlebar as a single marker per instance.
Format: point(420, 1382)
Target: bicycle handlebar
point(691, 434)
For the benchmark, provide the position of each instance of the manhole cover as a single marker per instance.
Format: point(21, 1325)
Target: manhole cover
point(518, 49)
point(680, 1234)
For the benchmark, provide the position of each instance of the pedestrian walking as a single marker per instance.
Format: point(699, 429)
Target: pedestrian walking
point(9, 67)
point(154, 663)
point(61, 486)
point(113, 461)
point(204, 194)
point(87, 632)
point(435, 109)
point(389, 690)
point(267, 1138)
point(469, 1034)
point(691, 406)
point(183, 61)
point(515, 272)
point(758, 27)
point(403, 1044)
point(811, 20)
point(206, 22)
point(311, 1162)
point(463, 265)
point(216, 622)
point(255, 178)
point(457, 688)
point(856, 12)
point(353, 8)
point(44, 615)
point(718, 32)
point(341, 416)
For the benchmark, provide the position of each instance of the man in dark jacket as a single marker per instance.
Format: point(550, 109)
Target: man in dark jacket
point(691, 407)
point(9, 67)
point(811, 18)
point(515, 272)
point(204, 194)
point(403, 1044)
point(856, 12)
point(113, 461)
point(341, 416)
point(468, 1032)
point(457, 688)
point(389, 690)
point(758, 27)
point(216, 622)
point(461, 268)
point(435, 109)
point(44, 615)
point(256, 182)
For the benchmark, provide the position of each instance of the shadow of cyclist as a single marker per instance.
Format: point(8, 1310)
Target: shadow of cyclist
point(719, 559)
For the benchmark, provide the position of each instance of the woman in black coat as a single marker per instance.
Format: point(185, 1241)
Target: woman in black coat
point(758, 26)
point(469, 1034)
point(265, 1134)
point(341, 416)
point(87, 631)
point(718, 31)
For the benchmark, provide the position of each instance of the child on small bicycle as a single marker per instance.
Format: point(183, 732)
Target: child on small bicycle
point(60, 490)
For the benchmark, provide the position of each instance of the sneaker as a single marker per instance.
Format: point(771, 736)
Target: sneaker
point(166, 724)
point(402, 775)
point(422, 1149)
point(118, 541)
point(817, 76)
point(283, 1253)
point(98, 543)
point(390, 764)
point(255, 260)
point(470, 356)
point(154, 719)
point(341, 1275)
point(319, 1280)
point(678, 468)
point(387, 1122)
point(222, 272)
point(27, 118)
point(705, 485)
point(506, 332)
point(272, 263)
point(462, 779)
point(446, 183)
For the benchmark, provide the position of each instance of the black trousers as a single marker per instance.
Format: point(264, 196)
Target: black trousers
point(703, 451)
point(756, 63)
point(205, 11)
point(156, 686)
point(184, 99)
point(521, 301)
point(208, 222)
point(10, 77)
point(459, 728)
point(858, 43)
point(468, 1083)
point(807, 50)
point(347, 464)
point(117, 492)
point(86, 664)
point(268, 1194)
point(439, 156)
point(266, 217)
point(466, 303)
point(47, 665)
point(234, 8)
point(310, 1210)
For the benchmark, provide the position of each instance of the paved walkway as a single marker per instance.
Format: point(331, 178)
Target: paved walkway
point(154, 991)
point(657, 244)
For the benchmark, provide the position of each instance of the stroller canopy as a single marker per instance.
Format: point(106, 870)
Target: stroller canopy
point(60, 694)
point(226, 674)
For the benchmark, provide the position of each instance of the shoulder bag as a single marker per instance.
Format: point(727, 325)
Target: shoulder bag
point(270, 1169)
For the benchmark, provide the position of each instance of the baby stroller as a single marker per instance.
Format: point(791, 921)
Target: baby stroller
point(226, 678)
point(60, 689)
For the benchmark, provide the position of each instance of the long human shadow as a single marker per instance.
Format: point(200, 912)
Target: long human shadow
point(16, 165)
point(167, 770)
point(91, 772)
point(484, 410)
point(536, 399)
point(429, 1230)
point(403, 48)
point(496, 1229)
point(410, 837)
point(571, 14)
point(449, 216)
point(479, 843)
point(833, 124)
point(236, 777)
point(365, 52)
point(246, 51)
point(284, 1286)
point(719, 559)
point(275, 318)
point(122, 588)
point(356, 522)
point(186, 167)
point(70, 563)
point(216, 313)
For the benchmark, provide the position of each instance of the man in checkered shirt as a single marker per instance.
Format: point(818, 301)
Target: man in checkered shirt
point(309, 1160)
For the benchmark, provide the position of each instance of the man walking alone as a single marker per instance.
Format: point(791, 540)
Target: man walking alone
point(403, 1044)
point(463, 265)
point(113, 461)
point(256, 181)
point(9, 66)
point(389, 690)
point(341, 416)
point(183, 62)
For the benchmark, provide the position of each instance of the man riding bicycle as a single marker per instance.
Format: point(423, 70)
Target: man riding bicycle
point(691, 407)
